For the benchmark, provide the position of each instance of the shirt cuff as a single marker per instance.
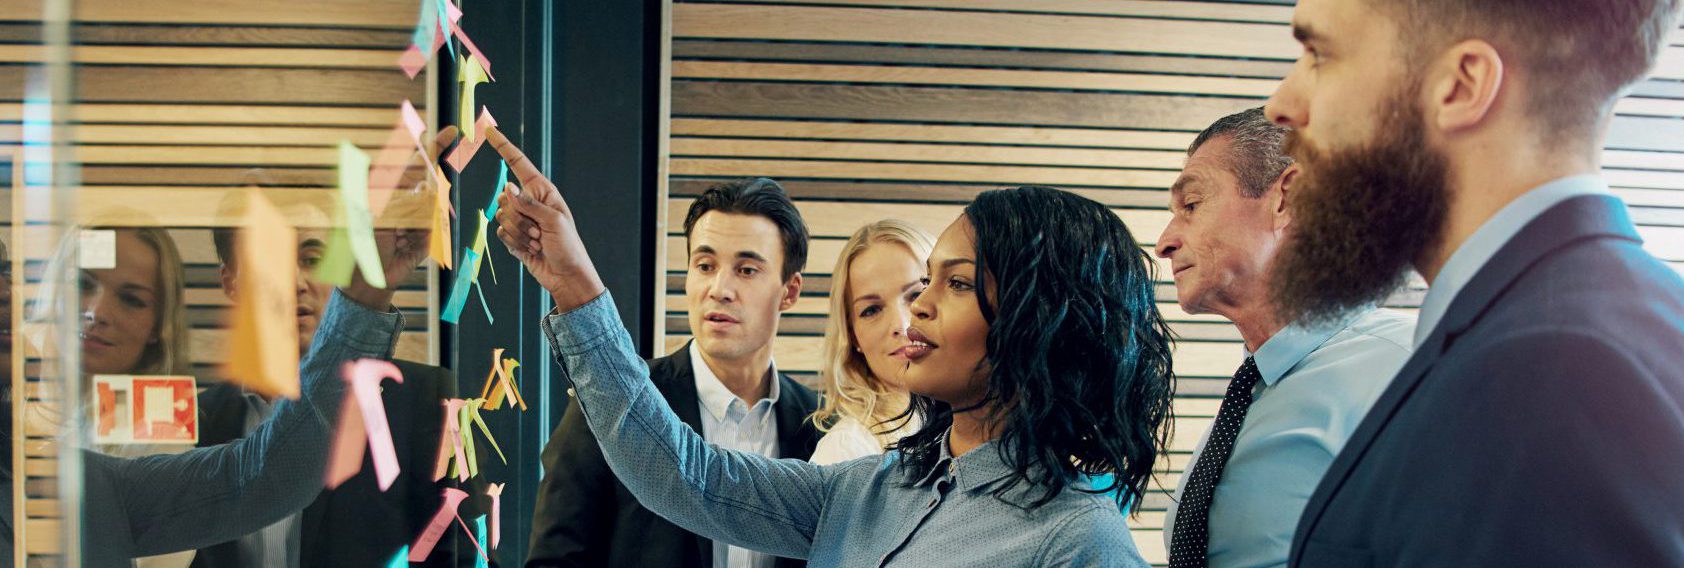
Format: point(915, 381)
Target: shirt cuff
point(583, 328)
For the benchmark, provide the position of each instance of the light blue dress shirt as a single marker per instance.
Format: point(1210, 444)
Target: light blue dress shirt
point(730, 423)
point(1490, 237)
point(872, 511)
point(1317, 386)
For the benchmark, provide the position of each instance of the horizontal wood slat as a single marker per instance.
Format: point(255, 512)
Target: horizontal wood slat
point(1138, 35)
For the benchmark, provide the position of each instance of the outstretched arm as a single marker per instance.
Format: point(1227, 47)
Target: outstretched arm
point(738, 498)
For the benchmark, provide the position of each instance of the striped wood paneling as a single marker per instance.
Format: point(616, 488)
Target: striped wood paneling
point(907, 108)
point(175, 102)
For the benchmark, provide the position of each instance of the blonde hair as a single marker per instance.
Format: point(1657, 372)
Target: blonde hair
point(850, 390)
point(171, 354)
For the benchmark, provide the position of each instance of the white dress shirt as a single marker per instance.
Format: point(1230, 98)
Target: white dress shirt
point(730, 423)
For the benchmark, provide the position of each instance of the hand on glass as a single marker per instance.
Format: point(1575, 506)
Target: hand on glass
point(537, 227)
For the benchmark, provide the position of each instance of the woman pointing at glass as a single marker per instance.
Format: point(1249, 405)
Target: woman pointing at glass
point(1042, 361)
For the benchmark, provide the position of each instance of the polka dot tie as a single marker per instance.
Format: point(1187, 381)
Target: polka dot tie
point(1190, 543)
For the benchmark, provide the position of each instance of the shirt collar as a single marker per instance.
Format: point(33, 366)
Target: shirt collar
point(713, 394)
point(1292, 344)
point(1490, 237)
point(978, 468)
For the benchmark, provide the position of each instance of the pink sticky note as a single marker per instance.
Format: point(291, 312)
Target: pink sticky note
point(435, 528)
point(363, 377)
point(495, 490)
point(412, 61)
point(472, 49)
point(465, 151)
point(451, 9)
point(450, 445)
point(412, 121)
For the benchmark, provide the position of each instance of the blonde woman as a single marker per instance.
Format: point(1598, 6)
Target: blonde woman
point(133, 321)
point(877, 276)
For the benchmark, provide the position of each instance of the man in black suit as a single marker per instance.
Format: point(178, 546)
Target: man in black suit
point(1540, 421)
point(747, 245)
point(356, 524)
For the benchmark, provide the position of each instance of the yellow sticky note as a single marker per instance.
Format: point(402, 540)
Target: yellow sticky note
point(263, 352)
point(470, 75)
point(439, 246)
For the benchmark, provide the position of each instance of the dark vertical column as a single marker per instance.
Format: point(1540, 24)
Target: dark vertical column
point(577, 86)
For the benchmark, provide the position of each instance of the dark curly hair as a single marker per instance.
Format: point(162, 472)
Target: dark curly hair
point(1078, 362)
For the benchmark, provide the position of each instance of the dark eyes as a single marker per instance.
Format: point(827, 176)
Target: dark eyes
point(870, 311)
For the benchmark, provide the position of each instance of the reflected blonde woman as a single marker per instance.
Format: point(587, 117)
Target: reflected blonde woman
point(877, 276)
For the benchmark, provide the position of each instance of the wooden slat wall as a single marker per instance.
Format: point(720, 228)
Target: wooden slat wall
point(907, 108)
point(175, 103)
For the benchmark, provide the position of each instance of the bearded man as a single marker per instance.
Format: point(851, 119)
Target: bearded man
point(1540, 421)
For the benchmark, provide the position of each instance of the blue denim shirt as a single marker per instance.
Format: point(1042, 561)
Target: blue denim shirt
point(165, 503)
point(872, 511)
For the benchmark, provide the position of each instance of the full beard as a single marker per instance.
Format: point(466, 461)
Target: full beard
point(1360, 218)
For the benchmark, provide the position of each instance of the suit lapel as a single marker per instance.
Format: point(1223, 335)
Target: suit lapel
point(680, 387)
point(676, 380)
point(791, 414)
point(1573, 220)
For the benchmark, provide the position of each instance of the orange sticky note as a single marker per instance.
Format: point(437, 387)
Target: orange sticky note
point(501, 382)
point(363, 420)
point(263, 351)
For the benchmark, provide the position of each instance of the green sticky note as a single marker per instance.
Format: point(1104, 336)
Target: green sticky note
point(353, 244)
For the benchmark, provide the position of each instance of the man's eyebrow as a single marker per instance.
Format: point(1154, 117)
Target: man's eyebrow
point(702, 249)
point(751, 255)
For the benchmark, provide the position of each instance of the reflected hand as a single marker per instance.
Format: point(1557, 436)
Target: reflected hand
point(401, 249)
point(533, 221)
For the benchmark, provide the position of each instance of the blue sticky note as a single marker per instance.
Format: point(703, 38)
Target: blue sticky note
point(401, 560)
point(444, 25)
point(481, 289)
point(465, 270)
point(479, 529)
point(502, 182)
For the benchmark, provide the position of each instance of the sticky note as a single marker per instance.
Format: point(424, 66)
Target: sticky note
point(459, 290)
point(353, 245)
point(470, 145)
point(479, 529)
point(500, 383)
point(263, 336)
point(450, 444)
point(363, 420)
point(96, 249)
point(470, 75)
point(472, 49)
point(471, 410)
point(440, 522)
point(400, 560)
point(484, 305)
point(438, 247)
point(495, 491)
point(413, 123)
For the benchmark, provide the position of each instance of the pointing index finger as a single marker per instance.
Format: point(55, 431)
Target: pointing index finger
point(523, 168)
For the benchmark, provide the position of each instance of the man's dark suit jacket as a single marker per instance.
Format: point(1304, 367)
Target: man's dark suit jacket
point(356, 524)
point(586, 517)
point(1540, 424)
